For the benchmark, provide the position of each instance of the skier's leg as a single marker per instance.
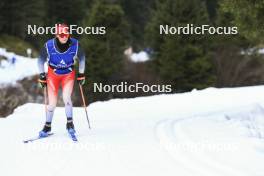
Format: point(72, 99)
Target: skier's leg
point(66, 93)
point(53, 86)
point(52, 98)
point(67, 88)
point(53, 82)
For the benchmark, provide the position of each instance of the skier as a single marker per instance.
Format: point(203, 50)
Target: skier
point(13, 60)
point(60, 53)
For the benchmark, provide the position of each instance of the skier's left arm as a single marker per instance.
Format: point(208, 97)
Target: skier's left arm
point(81, 57)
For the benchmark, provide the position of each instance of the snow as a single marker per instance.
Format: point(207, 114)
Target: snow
point(212, 132)
point(142, 56)
point(23, 67)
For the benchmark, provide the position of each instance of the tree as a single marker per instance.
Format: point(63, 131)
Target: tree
point(17, 14)
point(137, 13)
point(181, 60)
point(248, 17)
point(236, 60)
point(68, 11)
point(105, 52)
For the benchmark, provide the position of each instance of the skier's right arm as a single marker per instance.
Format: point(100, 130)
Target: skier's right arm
point(41, 61)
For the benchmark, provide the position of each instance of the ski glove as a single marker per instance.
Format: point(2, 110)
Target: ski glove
point(81, 79)
point(42, 80)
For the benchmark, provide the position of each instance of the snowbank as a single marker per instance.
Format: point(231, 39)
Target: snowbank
point(213, 132)
point(16, 67)
point(142, 56)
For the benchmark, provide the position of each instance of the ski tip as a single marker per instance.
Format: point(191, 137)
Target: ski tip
point(27, 141)
point(74, 138)
point(36, 138)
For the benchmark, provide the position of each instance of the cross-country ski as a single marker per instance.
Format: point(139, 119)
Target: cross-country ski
point(36, 138)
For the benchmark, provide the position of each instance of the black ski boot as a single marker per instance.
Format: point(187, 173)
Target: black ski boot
point(46, 129)
point(70, 126)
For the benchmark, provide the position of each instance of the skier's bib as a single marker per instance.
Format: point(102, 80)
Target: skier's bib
point(62, 62)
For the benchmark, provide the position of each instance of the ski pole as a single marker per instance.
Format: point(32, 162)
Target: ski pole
point(45, 101)
point(84, 105)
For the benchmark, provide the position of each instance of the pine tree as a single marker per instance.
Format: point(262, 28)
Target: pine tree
point(181, 60)
point(105, 52)
point(248, 17)
point(17, 14)
point(234, 68)
point(68, 11)
point(138, 13)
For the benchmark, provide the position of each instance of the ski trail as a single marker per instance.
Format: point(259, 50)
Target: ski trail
point(163, 136)
point(195, 163)
point(178, 136)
